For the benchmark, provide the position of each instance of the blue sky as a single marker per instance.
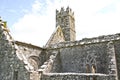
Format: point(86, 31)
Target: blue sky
point(33, 21)
point(12, 10)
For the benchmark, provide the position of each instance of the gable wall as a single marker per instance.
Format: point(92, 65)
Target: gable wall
point(11, 68)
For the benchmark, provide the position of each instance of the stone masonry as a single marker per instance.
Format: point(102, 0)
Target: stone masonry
point(62, 58)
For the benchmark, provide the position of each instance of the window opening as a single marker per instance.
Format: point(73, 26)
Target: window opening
point(15, 77)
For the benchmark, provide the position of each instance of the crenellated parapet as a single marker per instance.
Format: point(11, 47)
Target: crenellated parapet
point(61, 16)
point(64, 12)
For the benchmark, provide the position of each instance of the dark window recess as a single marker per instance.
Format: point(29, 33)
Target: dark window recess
point(15, 76)
point(88, 68)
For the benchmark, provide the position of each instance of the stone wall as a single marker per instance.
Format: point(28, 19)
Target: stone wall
point(76, 76)
point(7, 55)
point(33, 57)
point(20, 72)
point(52, 64)
point(54, 59)
point(84, 55)
point(27, 52)
point(11, 68)
point(78, 58)
point(57, 66)
point(117, 51)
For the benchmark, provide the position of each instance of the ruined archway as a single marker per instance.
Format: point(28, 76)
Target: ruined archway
point(34, 62)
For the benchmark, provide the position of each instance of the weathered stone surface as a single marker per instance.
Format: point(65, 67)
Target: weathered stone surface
point(62, 58)
point(56, 37)
point(32, 56)
point(11, 68)
point(77, 76)
point(65, 19)
point(117, 55)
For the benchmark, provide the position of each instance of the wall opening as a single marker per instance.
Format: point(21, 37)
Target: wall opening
point(87, 71)
point(93, 68)
point(15, 76)
point(88, 68)
point(94, 71)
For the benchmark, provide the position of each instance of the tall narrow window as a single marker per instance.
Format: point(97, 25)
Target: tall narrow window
point(15, 76)
point(87, 71)
point(93, 69)
point(87, 68)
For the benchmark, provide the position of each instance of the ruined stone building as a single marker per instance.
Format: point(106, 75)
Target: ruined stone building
point(62, 58)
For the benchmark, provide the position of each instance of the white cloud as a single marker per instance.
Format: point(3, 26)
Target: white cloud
point(33, 29)
point(36, 7)
point(36, 28)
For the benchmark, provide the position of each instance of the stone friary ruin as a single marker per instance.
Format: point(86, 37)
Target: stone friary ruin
point(62, 58)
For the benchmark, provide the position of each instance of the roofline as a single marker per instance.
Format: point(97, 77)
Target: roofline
point(27, 44)
point(86, 41)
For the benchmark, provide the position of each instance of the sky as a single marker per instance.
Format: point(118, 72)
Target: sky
point(33, 21)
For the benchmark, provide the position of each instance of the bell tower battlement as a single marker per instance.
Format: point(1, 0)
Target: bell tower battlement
point(66, 20)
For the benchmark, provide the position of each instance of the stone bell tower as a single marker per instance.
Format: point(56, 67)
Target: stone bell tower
point(65, 18)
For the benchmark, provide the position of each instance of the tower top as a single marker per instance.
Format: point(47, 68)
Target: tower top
point(67, 11)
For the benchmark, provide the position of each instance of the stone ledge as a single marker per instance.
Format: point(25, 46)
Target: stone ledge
point(84, 41)
point(27, 44)
point(77, 76)
point(86, 74)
